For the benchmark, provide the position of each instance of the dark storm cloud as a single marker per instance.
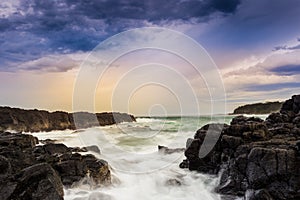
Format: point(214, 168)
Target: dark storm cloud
point(153, 10)
point(42, 15)
point(40, 27)
point(68, 13)
point(287, 70)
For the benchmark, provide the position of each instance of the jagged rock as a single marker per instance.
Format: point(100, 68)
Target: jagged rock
point(260, 159)
point(167, 150)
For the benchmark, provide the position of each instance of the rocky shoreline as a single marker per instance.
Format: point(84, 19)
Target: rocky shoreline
point(31, 171)
point(258, 159)
point(21, 120)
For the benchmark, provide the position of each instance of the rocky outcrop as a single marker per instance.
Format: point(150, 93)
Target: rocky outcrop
point(167, 150)
point(28, 171)
point(39, 120)
point(258, 108)
point(259, 160)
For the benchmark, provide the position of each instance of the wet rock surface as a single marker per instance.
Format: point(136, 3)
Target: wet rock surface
point(39, 120)
point(259, 159)
point(28, 171)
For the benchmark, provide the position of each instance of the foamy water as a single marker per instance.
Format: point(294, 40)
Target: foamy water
point(139, 171)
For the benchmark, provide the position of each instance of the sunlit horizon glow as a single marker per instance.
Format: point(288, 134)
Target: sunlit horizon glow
point(255, 45)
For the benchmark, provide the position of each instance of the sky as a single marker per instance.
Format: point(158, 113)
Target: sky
point(255, 45)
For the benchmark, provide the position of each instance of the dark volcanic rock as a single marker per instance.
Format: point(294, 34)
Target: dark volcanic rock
point(260, 160)
point(39, 120)
point(28, 171)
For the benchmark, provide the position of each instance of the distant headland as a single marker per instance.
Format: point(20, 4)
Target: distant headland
point(258, 108)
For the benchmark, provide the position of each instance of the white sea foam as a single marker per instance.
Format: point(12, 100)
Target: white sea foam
point(255, 115)
point(146, 119)
point(140, 170)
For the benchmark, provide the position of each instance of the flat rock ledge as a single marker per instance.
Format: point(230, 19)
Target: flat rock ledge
point(21, 120)
point(258, 159)
point(28, 171)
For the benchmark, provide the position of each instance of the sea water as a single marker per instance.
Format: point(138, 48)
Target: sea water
point(139, 170)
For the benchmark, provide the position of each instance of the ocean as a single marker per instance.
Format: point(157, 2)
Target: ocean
point(139, 170)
